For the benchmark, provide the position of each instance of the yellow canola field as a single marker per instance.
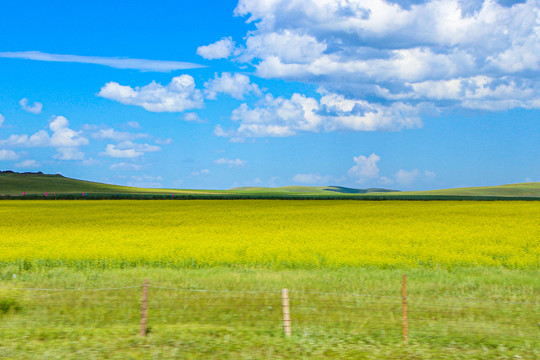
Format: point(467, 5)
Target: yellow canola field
point(270, 233)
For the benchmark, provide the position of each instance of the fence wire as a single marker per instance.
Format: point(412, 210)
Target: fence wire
point(369, 315)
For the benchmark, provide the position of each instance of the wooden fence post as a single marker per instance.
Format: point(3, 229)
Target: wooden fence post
point(404, 308)
point(144, 307)
point(286, 312)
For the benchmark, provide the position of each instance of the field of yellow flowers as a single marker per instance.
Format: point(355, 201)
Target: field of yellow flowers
point(270, 233)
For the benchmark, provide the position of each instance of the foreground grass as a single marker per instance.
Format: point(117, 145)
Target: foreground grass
point(462, 313)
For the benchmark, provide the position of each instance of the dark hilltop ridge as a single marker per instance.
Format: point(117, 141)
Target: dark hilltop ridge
point(37, 185)
point(26, 173)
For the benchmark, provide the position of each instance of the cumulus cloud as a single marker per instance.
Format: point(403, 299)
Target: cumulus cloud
point(236, 86)
point(110, 133)
point(39, 139)
point(475, 54)
point(139, 147)
point(281, 117)
point(119, 63)
point(114, 152)
point(66, 140)
point(28, 164)
point(221, 49)
point(231, 162)
point(179, 95)
point(64, 137)
point(34, 108)
point(6, 155)
point(365, 168)
point(128, 149)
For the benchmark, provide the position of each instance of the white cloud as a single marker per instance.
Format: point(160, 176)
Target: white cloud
point(194, 117)
point(286, 46)
point(2, 118)
point(231, 162)
point(479, 54)
point(430, 174)
point(128, 149)
point(29, 164)
point(476, 92)
point(138, 147)
point(163, 141)
point(179, 95)
point(112, 151)
point(365, 168)
point(236, 85)
point(35, 108)
point(405, 177)
point(200, 173)
point(66, 140)
point(125, 166)
point(112, 134)
point(134, 124)
point(68, 153)
point(221, 49)
point(63, 136)
point(279, 117)
point(39, 139)
point(6, 155)
point(119, 63)
point(146, 181)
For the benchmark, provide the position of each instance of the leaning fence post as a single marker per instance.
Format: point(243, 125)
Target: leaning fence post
point(286, 312)
point(144, 307)
point(404, 308)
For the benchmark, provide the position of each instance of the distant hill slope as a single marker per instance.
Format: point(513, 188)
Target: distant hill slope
point(14, 184)
point(304, 190)
point(521, 190)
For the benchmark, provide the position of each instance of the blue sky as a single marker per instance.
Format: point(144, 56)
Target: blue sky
point(218, 94)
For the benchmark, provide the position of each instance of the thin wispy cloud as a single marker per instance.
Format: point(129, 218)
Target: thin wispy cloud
point(114, 62)
point(35, 108)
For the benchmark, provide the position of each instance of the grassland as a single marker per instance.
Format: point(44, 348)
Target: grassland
point(444, 323)
point(473, 279)
point(13, 185)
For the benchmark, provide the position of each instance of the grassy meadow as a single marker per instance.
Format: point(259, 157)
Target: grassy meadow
point(35, 185)
point(465, 313)
point(473, 273)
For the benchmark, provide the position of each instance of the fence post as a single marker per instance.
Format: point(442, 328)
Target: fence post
point(404, 308)
point(144, 307)
point(286, 312)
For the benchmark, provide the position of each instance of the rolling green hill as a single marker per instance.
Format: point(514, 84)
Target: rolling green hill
point(14, 184)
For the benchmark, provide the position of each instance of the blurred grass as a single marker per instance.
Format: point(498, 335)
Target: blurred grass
point(463, 313)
